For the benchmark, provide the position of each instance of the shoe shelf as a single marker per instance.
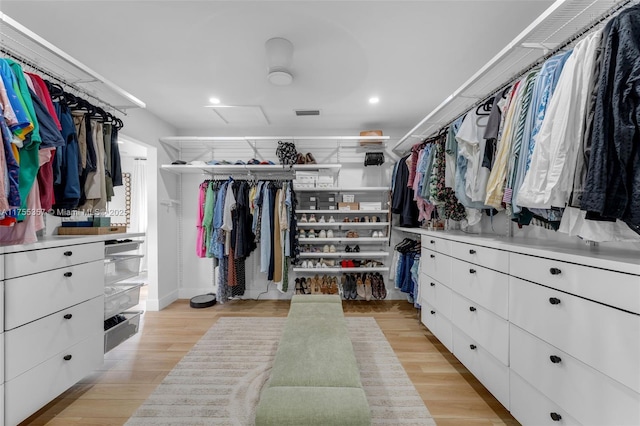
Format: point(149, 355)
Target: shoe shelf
point(351, 254)
point(242, 168)
point(343, 225)
point(345, 239)
point(352, 189)
point(341, 270)
point(380, 212)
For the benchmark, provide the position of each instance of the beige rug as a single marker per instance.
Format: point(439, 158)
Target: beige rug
point(219, 381)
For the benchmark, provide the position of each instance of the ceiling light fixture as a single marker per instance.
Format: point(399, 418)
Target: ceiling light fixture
point(214, 101)
point(279, 56)
point(374, 100)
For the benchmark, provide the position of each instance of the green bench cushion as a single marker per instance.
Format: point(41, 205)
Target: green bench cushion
point(313, 406)
point(315, 353)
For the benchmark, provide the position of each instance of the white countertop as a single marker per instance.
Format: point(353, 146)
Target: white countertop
point(599, 256)
point(66, 240)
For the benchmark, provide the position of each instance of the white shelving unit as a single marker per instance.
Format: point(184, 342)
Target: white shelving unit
point(231, 169)
point(341, 254)
point(344, 225)
point(348, 189)
point(345, 239)
point(357, 212)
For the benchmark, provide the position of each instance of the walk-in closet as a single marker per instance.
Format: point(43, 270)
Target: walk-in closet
point(320, 213)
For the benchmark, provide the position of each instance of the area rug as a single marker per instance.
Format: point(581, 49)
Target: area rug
point(219, 381)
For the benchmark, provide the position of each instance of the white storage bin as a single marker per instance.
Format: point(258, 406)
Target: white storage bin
point(120, 297)
point(121, 332)
point(121, 267)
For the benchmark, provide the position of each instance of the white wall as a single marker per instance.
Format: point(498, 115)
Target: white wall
point(144, 128)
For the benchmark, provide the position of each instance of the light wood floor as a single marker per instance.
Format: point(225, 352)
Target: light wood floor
point(132, 371)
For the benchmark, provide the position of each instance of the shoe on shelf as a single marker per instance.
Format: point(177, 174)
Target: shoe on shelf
point(357, 263)
point(330, 263)
point(345, 220)
point(375, 219)
point(318, 264)
point(321, 219)
point(362, 219)
point(356, 249)
point(323, 234)
point(347, 249)
point(325, 249)
point(356, 220)
point(323, 263)
point(312, 234)
point(302, 234)
point(375, 234)
point(330, 233)
point(332, 248)
point(367, 289)
point(331, 219)
point(303, 219)
point(366, 219)
point(381, 234)
point(312, 218)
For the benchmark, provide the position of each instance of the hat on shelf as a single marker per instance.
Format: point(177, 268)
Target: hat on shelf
point(179, 162)
point(253, 161)
point(240, 162)
point(197, 163)
point(213, 162)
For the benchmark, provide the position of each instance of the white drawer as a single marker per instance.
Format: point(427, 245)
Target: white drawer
point(439, 325)
point(603, 337)
point(436, 265)
point(33, 343)
point(35, 261)
point(436, 294)
point(586, 394)
point(485, 328)
point(439, 245)
point(479, 255)
point(483, 286)
point(36, 296)
point(608, 287)
point(530, 407)
point(2, 310)
point(489, 371)
point(28, 392)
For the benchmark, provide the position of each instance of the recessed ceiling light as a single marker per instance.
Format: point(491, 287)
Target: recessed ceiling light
point(214, 100)
point(374, 100)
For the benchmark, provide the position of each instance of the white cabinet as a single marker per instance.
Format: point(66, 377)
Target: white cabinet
point(52, 323)
point(554, 338)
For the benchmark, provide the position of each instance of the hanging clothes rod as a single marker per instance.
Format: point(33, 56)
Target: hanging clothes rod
point(7, 52)
point(603, 18)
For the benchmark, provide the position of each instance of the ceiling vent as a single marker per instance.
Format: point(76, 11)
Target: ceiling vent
point(303, 112)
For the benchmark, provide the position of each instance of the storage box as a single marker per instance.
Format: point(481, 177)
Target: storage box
point(348, 198)
point(77, 224)
point(121, 332)
point(95, 230)
point(120, 297)
point(101, 221)
point(370, 205)
point(348, 206)
point(120, 267)
point(120, 246)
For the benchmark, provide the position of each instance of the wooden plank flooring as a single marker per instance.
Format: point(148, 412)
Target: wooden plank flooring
point(132, 371)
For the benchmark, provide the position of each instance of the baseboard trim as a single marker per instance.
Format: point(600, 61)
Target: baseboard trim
point(158, 305)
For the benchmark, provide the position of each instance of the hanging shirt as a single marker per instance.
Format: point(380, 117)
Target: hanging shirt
point(471, 144)
point(265, 232)
point(23, 124)
point(8, 113)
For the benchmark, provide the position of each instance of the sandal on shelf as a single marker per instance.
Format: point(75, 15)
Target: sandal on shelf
point(356, 249)
point(310, 159)
point(301, 159)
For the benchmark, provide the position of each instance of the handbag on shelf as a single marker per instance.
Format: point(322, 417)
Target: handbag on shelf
point(374, 159)
point(287, 153)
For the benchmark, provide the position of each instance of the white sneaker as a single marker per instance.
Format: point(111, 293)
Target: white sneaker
point(375, 234)
point(331, 219)
point(312, 234)
point(323, 234)
point(321, 219)
point(325, 249)
point(318, 264)
point(332, 249)
point(330, 233)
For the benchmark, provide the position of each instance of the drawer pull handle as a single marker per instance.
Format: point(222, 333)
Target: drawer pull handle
point(555, 271)
point(472, 309)
point(432, 284)
point(555, 359)
point(472, 271)
point(472, 347)
point(66, 357)
point(472, 252)
point(433, 256)
point(554, 300)
point(68, 274)
point(433, 312)
point(555, 417)
point(68, 253)
point(68, 316)
point(432, 241)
